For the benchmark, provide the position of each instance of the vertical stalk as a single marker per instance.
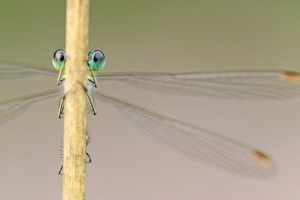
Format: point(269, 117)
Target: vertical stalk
point(75, 100)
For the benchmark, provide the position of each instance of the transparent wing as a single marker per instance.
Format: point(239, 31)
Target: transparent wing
point(12, 107)
point(13, 70)
point(199, 144)
point(246, 85)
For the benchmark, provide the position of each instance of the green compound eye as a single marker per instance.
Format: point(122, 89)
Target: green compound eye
point(96, 60)
point(59, 59)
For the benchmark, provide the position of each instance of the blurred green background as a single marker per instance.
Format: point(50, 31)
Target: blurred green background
point(154, 36)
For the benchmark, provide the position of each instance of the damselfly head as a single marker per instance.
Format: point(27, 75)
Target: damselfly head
point(96, 60)
point(59, 59)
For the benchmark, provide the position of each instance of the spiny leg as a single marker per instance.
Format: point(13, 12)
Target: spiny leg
point(61, 107)
point(59, 79)
point(60, 171)
point(90, 99)
point(89, 157)
point(94, 80)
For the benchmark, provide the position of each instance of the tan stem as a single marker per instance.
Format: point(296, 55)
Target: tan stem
point(75, 100)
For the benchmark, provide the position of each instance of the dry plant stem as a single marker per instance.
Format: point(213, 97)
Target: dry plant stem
point(75, 100)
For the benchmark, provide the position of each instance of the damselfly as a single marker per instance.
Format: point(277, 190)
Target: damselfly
point(197, 143)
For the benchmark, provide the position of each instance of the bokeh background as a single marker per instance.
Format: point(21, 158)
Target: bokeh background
point(164, 36)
